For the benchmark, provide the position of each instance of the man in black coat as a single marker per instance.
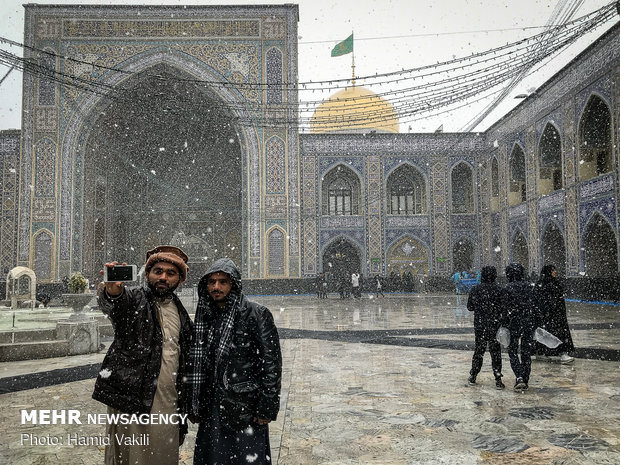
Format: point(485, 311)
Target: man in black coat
point(485, 300)
point(236, 371)
point(522, 313)
point(143, 371)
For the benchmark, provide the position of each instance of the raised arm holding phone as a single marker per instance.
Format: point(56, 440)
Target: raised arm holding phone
point(143, 370)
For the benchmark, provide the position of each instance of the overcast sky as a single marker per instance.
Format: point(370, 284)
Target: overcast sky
point(389, 35)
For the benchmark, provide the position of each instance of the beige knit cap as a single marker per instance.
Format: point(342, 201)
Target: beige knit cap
point(170, 254)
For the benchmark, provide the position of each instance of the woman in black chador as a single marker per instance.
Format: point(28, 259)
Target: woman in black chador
point(553, 314)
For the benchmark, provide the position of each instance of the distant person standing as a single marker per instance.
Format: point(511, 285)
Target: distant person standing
point(521, 305)
point(321, 286)
point(485, 300)
point(355, 285)
point(379, 289)
point(456, 277)
point(553, 314)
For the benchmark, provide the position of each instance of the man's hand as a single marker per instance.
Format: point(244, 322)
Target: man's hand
point(114, 289)
point(261, 421)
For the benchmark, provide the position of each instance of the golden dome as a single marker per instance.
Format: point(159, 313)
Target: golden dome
point(354, 109)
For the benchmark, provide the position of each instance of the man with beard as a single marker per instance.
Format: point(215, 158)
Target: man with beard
point(143, 371)
point(236, 371)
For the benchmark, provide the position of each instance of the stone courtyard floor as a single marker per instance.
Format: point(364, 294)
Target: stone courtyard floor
point(376, 381)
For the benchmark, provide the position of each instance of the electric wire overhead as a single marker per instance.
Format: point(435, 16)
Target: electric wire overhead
point(413, 93)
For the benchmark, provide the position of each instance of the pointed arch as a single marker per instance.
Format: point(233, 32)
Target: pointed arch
point(519, 250)
point(341, 257)
point(600, 248)
point(276, 252)
point(517, 192)
point(406, 191)
point(407, 254)
point(276, 160)
point(463, 254)
point(550, 160)
point(226, 102)
point(554, 247)
point(462, 188)
point(274, 74)
point(595, 139)
point(43, 255)
point(341, 192)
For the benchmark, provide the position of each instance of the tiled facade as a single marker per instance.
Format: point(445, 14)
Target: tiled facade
point(286, 229)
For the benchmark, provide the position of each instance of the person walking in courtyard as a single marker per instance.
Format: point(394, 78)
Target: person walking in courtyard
point(379, 287)
point(236, 371)
point(145, 365)
point(522, 315)
point(553, 315)
point(485, 300)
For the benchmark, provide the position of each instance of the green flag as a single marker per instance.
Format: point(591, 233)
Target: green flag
point(344, 47)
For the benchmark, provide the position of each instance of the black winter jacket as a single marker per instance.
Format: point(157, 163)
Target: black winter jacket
point(128, 377)
point(486, 301)
point(249, 385)
point(520, 301)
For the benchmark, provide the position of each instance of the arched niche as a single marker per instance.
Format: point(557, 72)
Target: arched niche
point(462, 188)
point(519, 250)
point(341, 192)
point(554, 248)
point(517, 186)
point(494, 204)
point(146, 159)
point(276, 252)
point(595, 140)
point(406, 191)
point(600, 248)
point(407, 255)
point(550, 161)
point(463, 255)
point(340, 259)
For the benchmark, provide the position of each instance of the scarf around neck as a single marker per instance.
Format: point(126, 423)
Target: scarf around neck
point(204, 338)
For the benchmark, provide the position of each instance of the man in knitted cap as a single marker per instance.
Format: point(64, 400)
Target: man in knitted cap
point(143, 371)
point(235, 372)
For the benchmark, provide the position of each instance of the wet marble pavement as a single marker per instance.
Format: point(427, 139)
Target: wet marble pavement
point(378, 381)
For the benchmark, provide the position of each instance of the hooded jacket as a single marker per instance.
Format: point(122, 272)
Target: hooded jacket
point(248, 376)
point(521, 302)
point(485, 300)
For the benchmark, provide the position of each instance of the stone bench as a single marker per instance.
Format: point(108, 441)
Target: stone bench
point(33, 350)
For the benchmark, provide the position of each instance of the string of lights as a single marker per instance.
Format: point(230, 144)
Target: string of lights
point(421, 90)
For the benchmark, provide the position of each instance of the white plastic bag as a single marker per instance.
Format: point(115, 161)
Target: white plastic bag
point(546, 338)
point(503, 336)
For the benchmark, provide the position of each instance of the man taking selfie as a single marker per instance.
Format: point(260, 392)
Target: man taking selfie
point(143, 371)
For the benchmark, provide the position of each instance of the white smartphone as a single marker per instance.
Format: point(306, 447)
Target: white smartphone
point(123, 273)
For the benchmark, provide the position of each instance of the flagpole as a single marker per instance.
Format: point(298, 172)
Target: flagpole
point(353, 64)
